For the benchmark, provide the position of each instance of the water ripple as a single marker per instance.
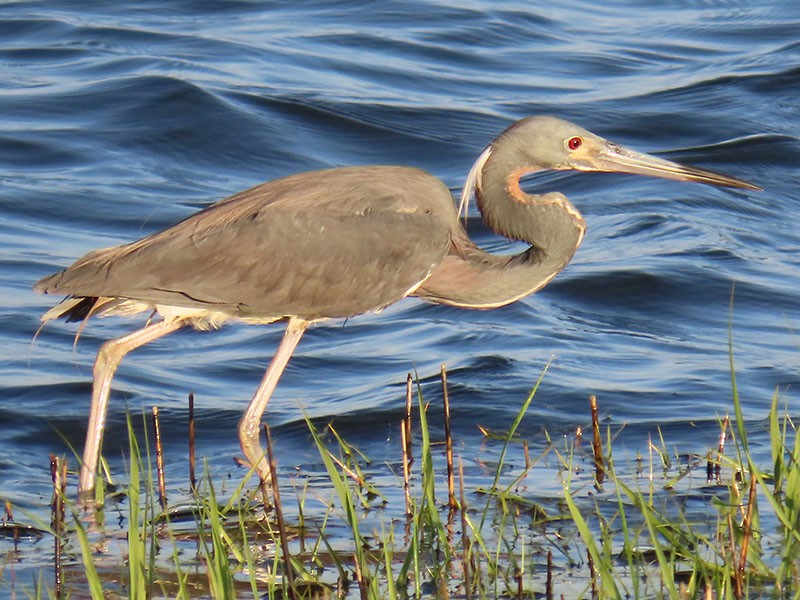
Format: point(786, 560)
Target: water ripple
point(121, 119)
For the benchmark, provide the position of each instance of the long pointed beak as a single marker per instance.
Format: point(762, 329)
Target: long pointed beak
point(615, 159)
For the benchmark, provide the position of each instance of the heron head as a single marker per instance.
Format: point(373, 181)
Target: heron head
point(549, 143)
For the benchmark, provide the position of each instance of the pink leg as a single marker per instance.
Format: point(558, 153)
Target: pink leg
point(250, 423)
point(105, 365)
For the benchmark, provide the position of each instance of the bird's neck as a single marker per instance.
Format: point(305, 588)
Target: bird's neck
point(472, 278)
point(549, 222)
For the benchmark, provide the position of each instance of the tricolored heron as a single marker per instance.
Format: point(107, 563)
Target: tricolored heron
point(340, 242)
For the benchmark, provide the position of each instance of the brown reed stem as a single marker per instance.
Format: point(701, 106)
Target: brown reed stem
point(362, 584)
point(405, 439)
point(597, 443)
point(347, 470)
point(592, 574)
point(548, 586)
point(10, 519)
point(721, 450)
point(747, 526)
point(444, 593)
point(58, 472)
point(448, 442)
point(192, 478)
point(526, 452)
point(406, 473)
point(162, 485)
point(276, 500)
point(723, 434)
point(409, 409)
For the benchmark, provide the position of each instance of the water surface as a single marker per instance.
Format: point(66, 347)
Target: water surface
point(120, 120)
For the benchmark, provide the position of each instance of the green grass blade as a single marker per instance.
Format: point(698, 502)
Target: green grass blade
point(137, 566)
point(602, 568)
point(510, 435)
point(92, 578)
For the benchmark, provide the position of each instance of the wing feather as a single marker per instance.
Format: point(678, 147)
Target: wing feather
point(327, 244)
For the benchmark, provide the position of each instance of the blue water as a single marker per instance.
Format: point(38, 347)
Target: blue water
point(119, 120)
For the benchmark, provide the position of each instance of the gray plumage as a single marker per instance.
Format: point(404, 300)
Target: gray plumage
point(290, 247)
point(340, 242)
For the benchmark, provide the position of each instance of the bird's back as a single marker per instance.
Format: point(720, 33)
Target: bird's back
point(332, 243)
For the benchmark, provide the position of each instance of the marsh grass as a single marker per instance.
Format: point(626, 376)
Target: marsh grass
point(633, 533)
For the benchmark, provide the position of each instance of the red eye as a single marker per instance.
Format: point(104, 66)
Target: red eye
point(574, 143)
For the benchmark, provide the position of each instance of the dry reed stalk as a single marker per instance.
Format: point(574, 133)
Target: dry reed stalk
point(448, 441)
point(63, 495)
point(405, 440)
point(276, 500)
point(63, 483)
point(362, 585)
point(548, 586)
point(10, 520)
point(444, 593)
point(58, 472)
point(526, 452)
point(348, 471)
point(342, 585)
point(409, 409)
point(597, 443)
point(723, 434)
point(192, 478)
point(162, 485)
point(592, 574)
point(721, 450)
point(406, 473)
point(747, 529)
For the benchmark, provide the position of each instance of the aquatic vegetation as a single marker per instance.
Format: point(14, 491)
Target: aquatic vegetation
point(570, 521)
